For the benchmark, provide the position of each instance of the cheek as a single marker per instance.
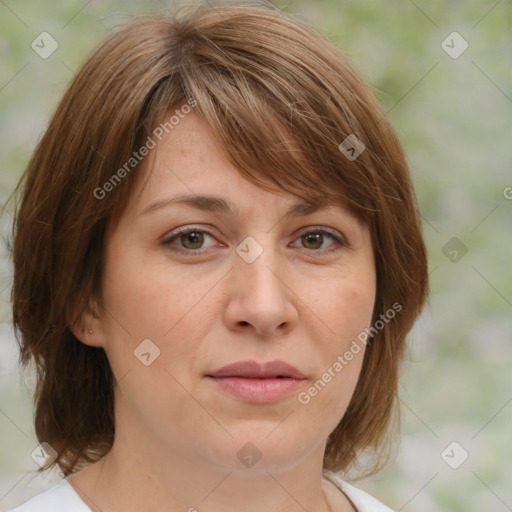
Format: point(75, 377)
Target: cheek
point(151, 339)
point(147, 300)
point(346, 310)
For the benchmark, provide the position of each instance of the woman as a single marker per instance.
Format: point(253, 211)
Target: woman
point(217, 258)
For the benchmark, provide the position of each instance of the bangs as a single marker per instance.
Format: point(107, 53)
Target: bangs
point(278, 124)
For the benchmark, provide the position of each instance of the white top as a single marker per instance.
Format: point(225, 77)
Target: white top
point(59, 498)
point(361, 500)
point(63, 498)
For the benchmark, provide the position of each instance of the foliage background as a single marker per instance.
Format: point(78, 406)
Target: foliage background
point(454, 118)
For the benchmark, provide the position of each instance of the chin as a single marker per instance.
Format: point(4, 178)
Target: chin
point(262, 448)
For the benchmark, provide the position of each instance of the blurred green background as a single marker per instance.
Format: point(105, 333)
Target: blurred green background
point(453, 114)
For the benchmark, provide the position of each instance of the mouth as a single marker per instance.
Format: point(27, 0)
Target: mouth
point(254, 370)
point(258, 383)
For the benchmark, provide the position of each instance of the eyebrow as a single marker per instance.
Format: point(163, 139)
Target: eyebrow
point(221, 205)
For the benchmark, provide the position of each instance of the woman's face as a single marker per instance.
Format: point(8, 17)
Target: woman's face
point(254, 286)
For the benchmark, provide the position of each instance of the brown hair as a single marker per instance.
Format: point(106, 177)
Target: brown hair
point(280, 99)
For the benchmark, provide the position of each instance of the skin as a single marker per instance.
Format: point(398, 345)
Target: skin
point(177, 433)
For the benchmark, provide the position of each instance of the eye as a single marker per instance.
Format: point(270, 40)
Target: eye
point(190, 240)
point(314, 239)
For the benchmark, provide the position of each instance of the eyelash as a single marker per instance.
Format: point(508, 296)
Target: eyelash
point(339, 243)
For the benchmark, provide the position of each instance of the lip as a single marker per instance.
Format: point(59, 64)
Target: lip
point(255, 370)
point(259, 383)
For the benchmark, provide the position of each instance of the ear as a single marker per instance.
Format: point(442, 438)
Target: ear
point(88, 327)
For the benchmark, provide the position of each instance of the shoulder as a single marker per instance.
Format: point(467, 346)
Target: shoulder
point(363, 501)
point(59, 498)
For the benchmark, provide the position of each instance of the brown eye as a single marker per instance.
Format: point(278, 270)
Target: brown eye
point(188, 240)
point(192, 240)
point(313, 241)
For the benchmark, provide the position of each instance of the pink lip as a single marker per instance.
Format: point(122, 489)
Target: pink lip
point(258, 383)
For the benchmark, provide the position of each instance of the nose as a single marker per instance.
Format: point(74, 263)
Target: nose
point(261, 296)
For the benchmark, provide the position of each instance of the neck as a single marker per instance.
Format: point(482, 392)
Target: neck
point(127, 479)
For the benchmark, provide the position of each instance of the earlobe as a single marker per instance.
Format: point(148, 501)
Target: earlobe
point(87, 328)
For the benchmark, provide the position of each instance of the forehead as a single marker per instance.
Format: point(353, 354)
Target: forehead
point(188, 167)
point(187, 156)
